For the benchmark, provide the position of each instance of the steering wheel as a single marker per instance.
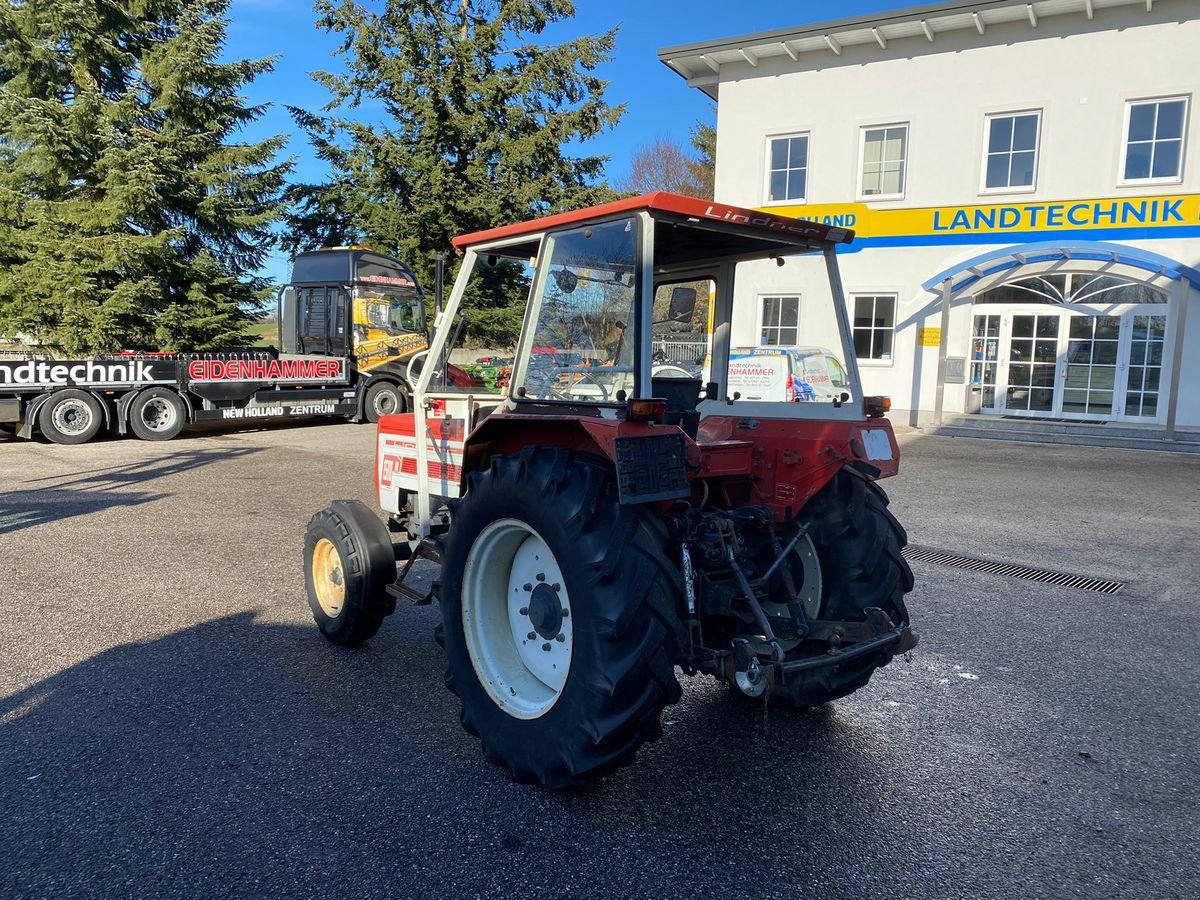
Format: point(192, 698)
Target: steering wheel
point(548, 389)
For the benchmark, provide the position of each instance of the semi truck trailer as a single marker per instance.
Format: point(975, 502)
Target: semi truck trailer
point(352, 336)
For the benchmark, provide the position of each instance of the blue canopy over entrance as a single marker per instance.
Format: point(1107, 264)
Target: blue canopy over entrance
point(997, 265)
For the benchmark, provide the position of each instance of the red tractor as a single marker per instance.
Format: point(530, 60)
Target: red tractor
point(603, 519)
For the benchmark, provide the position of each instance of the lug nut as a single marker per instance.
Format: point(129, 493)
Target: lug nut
point(565, 613)
point(528, 586)
point(531, 636)
point(541, 576)
point(524, 610)
point(556, 586)
point(546, 646)
point(560, 637)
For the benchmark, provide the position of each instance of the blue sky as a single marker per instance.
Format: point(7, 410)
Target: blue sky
point(658, 102)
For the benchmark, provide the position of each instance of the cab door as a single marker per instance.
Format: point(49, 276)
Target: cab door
point(338, 343)
point(322, 320)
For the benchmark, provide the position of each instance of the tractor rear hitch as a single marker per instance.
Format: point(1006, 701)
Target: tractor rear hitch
point(902, 636)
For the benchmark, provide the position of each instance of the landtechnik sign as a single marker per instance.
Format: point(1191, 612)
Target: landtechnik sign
point(1126, 217)
point(59, 373)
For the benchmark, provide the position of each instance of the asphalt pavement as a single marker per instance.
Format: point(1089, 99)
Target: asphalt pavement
point(172, 724)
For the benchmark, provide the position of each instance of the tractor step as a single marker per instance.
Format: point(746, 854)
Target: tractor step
point(430, 549)
point(411, 594)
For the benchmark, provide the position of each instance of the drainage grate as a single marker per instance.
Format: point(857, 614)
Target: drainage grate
point(942, 558)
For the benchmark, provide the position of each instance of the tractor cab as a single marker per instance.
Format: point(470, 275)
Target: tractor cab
point(630, 312)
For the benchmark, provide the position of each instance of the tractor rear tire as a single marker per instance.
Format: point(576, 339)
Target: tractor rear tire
point(348, 564)
point(858, 542)
point(383, 398)
point(71, 416)
point(551, 515)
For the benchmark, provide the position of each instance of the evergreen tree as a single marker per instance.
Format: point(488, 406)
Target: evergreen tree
point(476, 118)
point(704, 166)
point(130, 214)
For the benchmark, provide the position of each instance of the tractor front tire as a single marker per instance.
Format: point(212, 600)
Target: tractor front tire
point(558, 618)
point(348, 564)
point(858, 542)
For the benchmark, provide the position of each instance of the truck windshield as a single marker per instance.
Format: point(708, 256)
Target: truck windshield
point(389, 310)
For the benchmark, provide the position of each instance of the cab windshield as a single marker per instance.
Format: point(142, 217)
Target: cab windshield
point(391, 310)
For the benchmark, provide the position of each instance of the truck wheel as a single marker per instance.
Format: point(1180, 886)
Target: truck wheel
point(858, 543)
point(157, 414)
point(383, 399)
point(71, 416)
point(348, 564)
point(558, 618)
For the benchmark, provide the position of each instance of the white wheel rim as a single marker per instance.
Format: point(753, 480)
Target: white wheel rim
point(72, 416)
point(158, 414)
point(513, 588)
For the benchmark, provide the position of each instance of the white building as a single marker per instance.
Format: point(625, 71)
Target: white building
point(1024, 184)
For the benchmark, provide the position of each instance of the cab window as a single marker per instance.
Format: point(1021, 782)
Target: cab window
point(836, 373)
point(582, 346)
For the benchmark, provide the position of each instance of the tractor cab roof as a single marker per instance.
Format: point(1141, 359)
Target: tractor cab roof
point(686, 230)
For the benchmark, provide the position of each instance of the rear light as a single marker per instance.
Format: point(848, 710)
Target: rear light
point(875, 407)
point(645, 410)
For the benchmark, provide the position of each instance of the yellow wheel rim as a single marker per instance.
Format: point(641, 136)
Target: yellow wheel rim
point(328, 579)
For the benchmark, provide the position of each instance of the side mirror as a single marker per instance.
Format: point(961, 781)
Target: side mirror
point(683, 304)
point(566, 280)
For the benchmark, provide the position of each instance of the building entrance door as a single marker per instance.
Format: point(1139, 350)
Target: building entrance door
point(1034, 364)
point(1069, 363)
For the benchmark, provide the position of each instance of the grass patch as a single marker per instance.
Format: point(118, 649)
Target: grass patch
point(263, 334)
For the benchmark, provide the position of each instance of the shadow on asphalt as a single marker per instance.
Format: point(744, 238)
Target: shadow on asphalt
point(235, 738)
point(25, 509)
point(96, 489)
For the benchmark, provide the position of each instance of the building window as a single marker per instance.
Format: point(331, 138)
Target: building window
point(1154, 140)
point(874, 324)
point(1011, 159)
point(780, 321)
point(884, 158)
point(787, 175)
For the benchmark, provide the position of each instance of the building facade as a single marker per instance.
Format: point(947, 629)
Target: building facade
point(1024, 183)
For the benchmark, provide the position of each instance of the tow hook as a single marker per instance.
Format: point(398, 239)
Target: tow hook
point(748, 674)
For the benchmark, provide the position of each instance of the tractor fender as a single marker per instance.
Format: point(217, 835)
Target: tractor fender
point(789, 461)
point(126, 401)
point(503, 433)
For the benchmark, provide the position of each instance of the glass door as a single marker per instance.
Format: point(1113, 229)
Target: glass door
point(1147, 334)
point(985, 364)
point(1033, 364)
point(1090, 375)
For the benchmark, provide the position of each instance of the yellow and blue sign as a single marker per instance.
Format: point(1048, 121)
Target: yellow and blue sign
point(1127, 218)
